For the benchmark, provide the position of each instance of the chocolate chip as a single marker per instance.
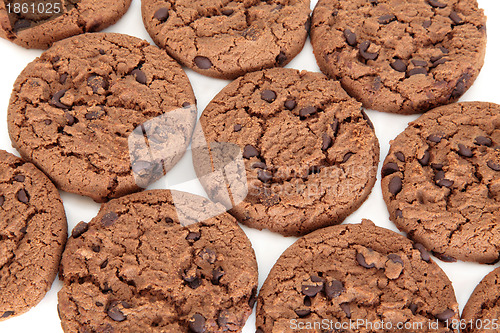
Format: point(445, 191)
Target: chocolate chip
point(259, 330)
point(2, 200)
point(237, 127)
point(434, 138)
point(92, 115)
point(445, 183)
point(161, 14)
point(399, 213)
point(400, 156)
point(444, 257)
point(222, 319)
point(140, 76)
point(455, 18)
point(63, 78)
point(259, 165)
point(250, 151)
point(96, 248)
point(192, 281)
point(464, 150)
point(419, 63)
point(395, 258)
point(436, 4)
point(312, 290)
point(347, 156)
point(416, 71)
point(307, 111)
point(217, 274)
point(423, 252)
point(227, 11)
point(79, 229)
point(427, 24)
point(290, 104)
point(413, 308)
point(389, 169)
point(268, 95)
point(307, 301)
point(264, 176)
point(56, 99)
point(327, 142)
point(361, 260)
point(439, 175)
point(70, 120)
point(102, 52)
point(483, 141)
point(445, 315)
point(386, 19)
point(95, 82)
point(109, 219)
point(334, 289)
point(208, 255)
point(253, 298)
point(303, 313)
point(367, 119)
point(47, 122)
point(399, 65)
point(19, 178)
point(115, 313)
point(395, 185)
point(460, 86)
point(193, 236)
point(104, 264)
point(350, 37)
point(281, 58)
point(7, 314)
point(335, 126)
point(424, 160)
point(197, 323)
point(363, 51)
point(437, 166)
point(22, 196)
point(493, 166)
point(347, 309)
point(202, 62)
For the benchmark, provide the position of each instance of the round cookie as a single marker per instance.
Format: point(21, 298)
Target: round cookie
point(348, 277)
point(481, 312)
point(400, 56)
point(33, 232)
point(102, 114)
point(309, 152)
point(47, 22)
point(441, 181)
point(158, 261)
point(226, 39)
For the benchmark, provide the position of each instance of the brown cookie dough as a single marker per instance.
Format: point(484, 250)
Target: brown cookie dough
point(441, 181)
point(400, 56)
point(102, 114)
point(310, 153)
point(355, 272)
point(150, 262)
point(226, 39)
point(482, 311)
point(46, 22)
point(33, 232)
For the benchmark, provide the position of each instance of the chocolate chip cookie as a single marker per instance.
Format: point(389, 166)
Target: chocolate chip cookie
point(33, 232)
point(400, 56)
point(158, 261)
point(481, 312)
point(355, 273)
point(309, 153)
point(441, 181)
point(102, 114)
point(38, 24)
point(226, 39)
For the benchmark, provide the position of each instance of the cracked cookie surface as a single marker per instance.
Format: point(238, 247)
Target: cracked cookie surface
point(33, 232)
point(355, 272)
point(441, 181)
point(41, 29)
point(145, 264)
point(482, 309)
point(228, 38)
point(310, 153)
point(102, 114)
point(400, 56)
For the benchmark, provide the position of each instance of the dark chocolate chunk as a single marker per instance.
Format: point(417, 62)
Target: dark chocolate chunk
point(312, 290)
point(95, 82)
point(56, 99)
point(399, 213)
point(19, 178)
point(395, 258)
point(70, 120)
point(436, 4)
point(303, 312)
point(444, 257)
point(400, 156)
point(416, 71)
point(7, 314)
point(161, 14)
point(250, 151)
point(109, 219)
point(327, 142)
point(92, 115)
point(347, 156)
point(307, 111)
point(423, 252)
point(419, 63)
point(483, 141)
point(290, 104)
point(389, 169)
point(63, 78)
point(115, 313)
point(493, 166)
point(386, 19)
point(445, 315)
point(445, 183)
point(346, 308)
point(334, 289)
point(208, 255)
point(217, 274)
point(399, 65)
point(413, 308)
point(193, 236)
point(197, 323)
point(367, 119)
point(360, 258)
point(237, 127)
point(395, 185)
point(227, 11)
point(79, 229)
point(22, 24)
point(363, 51)
point(22, 196)
point(464, 150)
point(350, 37)
point(140, 76)
point(2, 200)
point(455, 18)
point(335, 126)
point(427, 24)
point(434, 138)
point(268, 95)
point(259, 165)
point(264, 176)
point(202, 62)
point(424, 160)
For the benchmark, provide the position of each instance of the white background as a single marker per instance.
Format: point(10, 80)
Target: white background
point(268, 246)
